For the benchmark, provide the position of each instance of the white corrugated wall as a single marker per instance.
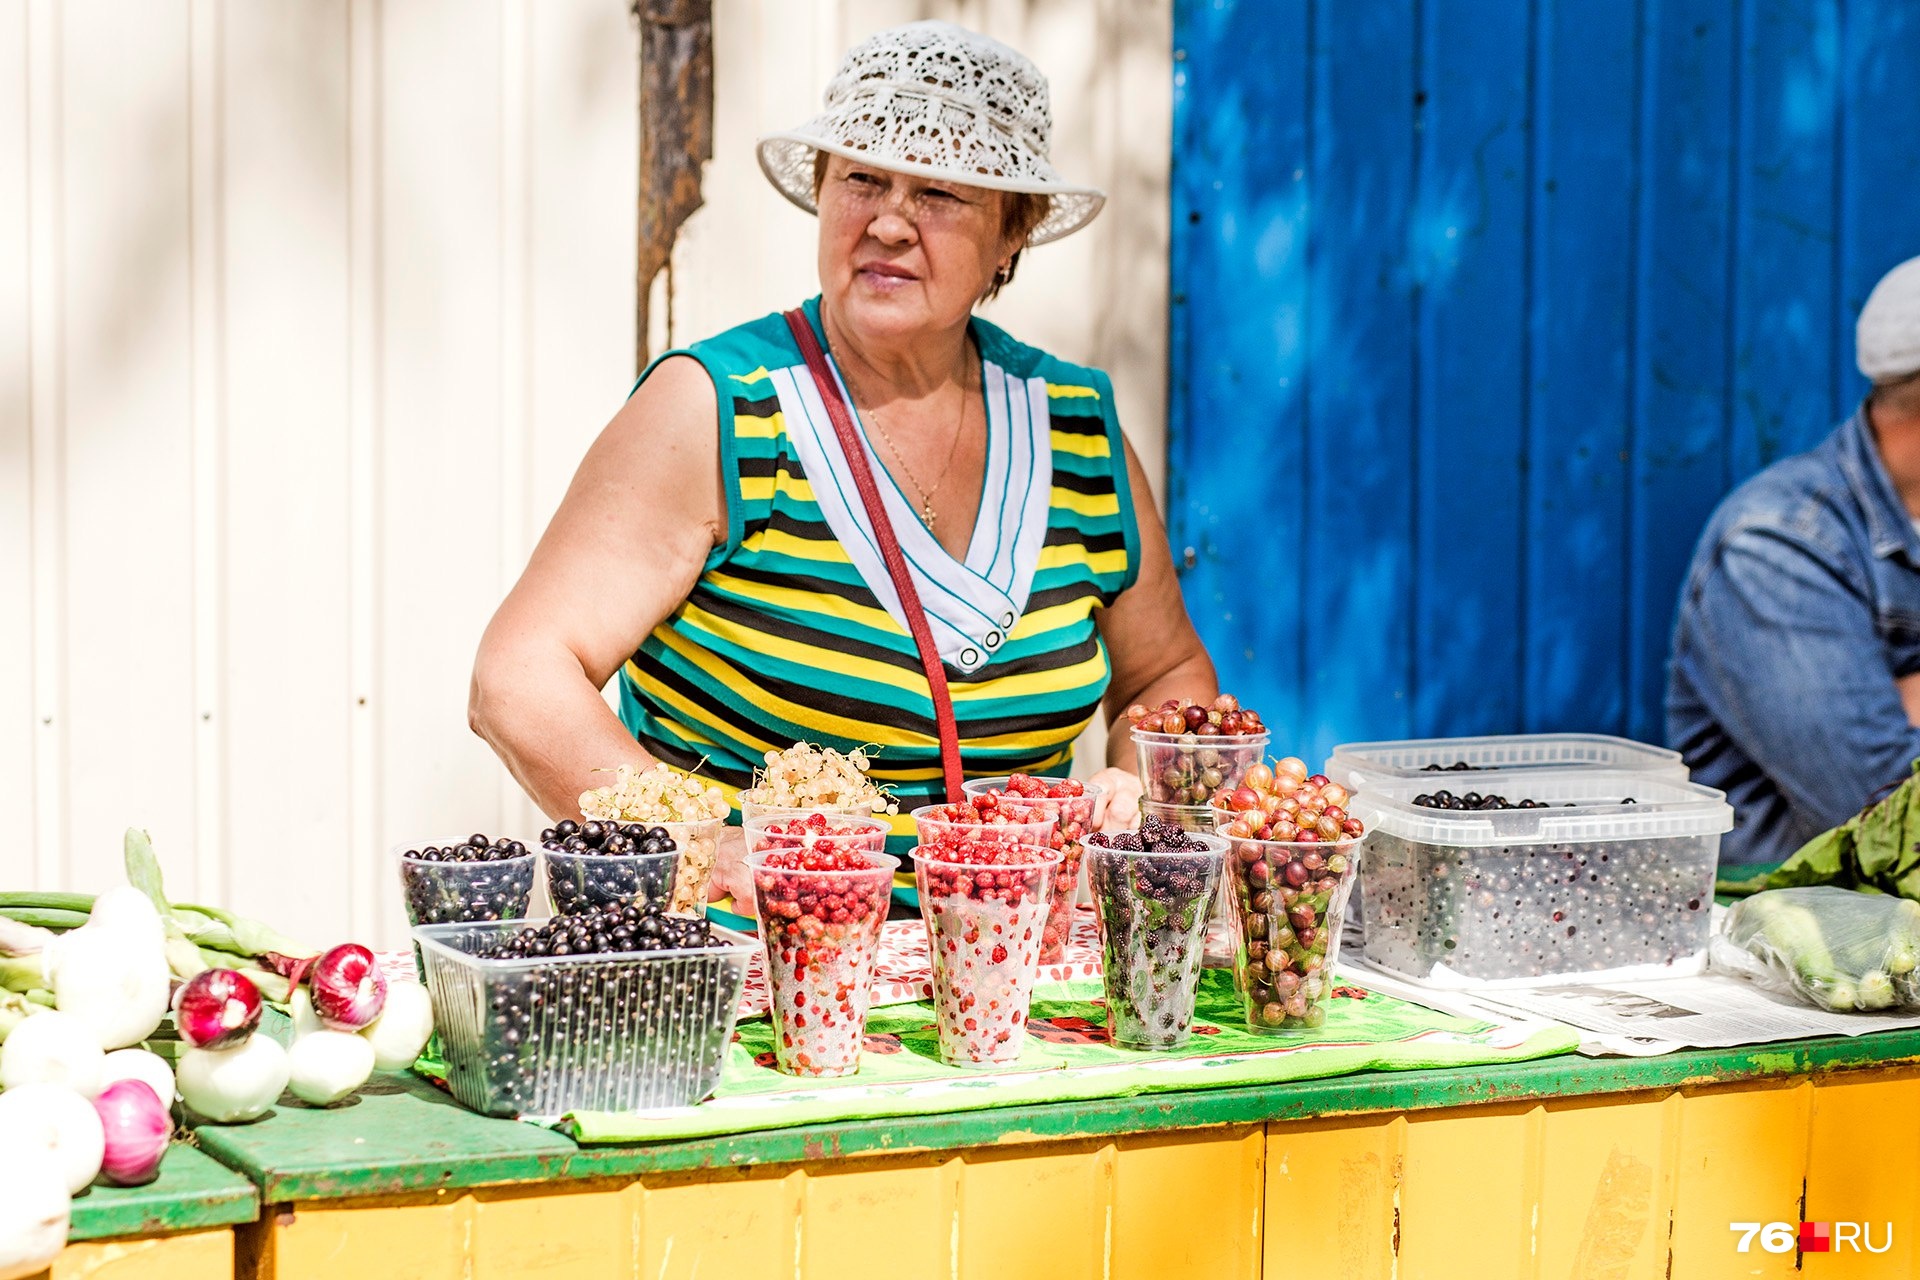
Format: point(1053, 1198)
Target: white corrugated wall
point(307, 311)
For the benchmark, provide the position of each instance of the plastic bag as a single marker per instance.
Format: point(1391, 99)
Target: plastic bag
point(1837, 948)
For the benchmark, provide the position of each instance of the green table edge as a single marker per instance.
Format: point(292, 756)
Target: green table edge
point(194, 1192)
point(438, 1146)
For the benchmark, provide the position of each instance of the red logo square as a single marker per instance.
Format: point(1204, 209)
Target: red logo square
point(1816, 1237)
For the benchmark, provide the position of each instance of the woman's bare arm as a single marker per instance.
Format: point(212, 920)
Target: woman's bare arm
point(1155, 652)
point(625, 548)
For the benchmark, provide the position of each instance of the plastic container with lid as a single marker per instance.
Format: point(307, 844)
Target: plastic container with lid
point(1587, 885)
point(1355, 764)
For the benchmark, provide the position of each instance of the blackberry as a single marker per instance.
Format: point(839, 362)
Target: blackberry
point(476, 880)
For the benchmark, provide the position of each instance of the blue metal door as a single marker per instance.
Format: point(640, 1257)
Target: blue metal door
point(1480, 306)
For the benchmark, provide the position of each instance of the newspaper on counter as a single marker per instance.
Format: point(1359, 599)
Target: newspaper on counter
point(1648, 1017)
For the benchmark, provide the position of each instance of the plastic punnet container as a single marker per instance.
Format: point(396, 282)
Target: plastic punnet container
point(579, 881)
point(542, 1036)
point(1154, 908)
point(1587, 885)
point(1355, 765)
point(822, 931)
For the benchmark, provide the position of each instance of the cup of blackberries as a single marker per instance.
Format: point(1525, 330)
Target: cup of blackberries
point(597, 864)
point(468, 881)
point(1153, 889)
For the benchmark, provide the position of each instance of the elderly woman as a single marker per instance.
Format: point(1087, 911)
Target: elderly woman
point(877, 520)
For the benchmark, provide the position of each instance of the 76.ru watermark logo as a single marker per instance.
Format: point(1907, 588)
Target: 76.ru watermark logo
point(1812, 1237)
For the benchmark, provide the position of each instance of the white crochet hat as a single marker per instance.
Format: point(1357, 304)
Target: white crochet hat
point(937, 101)
point(1887, 340)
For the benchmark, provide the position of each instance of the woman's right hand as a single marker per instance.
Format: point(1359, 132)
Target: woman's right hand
point(730, 878)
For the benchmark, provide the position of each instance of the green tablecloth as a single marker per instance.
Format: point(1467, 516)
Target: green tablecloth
point(1067, 1057)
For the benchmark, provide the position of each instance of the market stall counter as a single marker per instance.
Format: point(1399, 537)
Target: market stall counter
point(1561, 1166)
point(178, 1227)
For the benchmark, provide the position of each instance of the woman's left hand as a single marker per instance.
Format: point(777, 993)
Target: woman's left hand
point(1119, 807)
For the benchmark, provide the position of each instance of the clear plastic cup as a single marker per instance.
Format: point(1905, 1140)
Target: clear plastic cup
point(581, 881)
point(815, 828)
point(822, 931)
point(1187, 817)
point(1190, 769)
point(984, 924)
point(1154, 908)
point(464, 892)
point(1220, 928)
point(1072, 817)
point(751, 809)
point(698, 844)
point(1289, 900)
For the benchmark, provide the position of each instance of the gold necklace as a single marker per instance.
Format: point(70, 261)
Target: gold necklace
point(946, 470)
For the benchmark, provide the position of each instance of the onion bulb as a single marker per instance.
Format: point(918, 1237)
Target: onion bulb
point(216, 1008)
point(137, 1128)
point(113, 976)
point(403, 1027)
point(52, 1120)
point(326, 1066)
point(33, 1213)
point(234, 1084)
point(53, 1047)
point(349, 989)
point(138, 1064)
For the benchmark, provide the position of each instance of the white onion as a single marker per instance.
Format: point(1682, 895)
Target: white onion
point(137, 1064)
point(236, 1084)
point(403, 1027)
point(53, 1120)
point(113, 977)
point(137, 1127)
point(128, 910)
point(328, 1065)
point(33, 1213)
point(53, 1047)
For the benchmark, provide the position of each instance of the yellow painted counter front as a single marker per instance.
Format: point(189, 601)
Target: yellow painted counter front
point(1531, 1170)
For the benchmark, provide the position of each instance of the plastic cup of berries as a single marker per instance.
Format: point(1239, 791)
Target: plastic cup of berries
point(1188, 752)
point(699, 845)
point(978, 826)
point(815, 829)
point(1293, 851)
point(985, 909)
point(462, 882)
point(1154, 891)
point(821, 907)
point(599, 863)
point(1070, 804)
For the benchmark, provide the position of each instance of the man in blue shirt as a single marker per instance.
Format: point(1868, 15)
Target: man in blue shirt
point(1795, 680)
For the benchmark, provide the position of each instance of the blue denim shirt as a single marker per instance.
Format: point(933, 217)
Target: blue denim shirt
point(1801, 607)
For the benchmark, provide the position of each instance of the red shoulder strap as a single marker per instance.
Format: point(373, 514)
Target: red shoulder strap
point(856, 454)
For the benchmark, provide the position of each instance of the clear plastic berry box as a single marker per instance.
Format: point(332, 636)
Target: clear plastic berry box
point(1356, 764)
point(1585, 886)
point(543, 1036)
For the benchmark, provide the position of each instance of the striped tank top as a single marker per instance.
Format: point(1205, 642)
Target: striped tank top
point(793, 631)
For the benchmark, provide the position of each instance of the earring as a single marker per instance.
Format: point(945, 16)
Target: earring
point(1004, 274)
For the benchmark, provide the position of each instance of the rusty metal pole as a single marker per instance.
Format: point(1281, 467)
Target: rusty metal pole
point(676, 136)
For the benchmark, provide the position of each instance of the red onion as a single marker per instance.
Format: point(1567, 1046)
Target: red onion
point(349, 991)
point(216, 1008)
point(138, 1128)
